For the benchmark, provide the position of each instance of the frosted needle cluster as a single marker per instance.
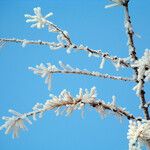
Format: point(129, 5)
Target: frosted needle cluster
point(139, 134)
point(143, 66)
point(66, 104)
point(116, 3)
point(38, 18)
point(15, 123)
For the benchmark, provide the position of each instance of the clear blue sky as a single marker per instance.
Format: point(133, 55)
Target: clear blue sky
point(90, 24)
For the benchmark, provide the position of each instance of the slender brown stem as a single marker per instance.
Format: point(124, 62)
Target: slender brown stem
point(96, 74)
point(143, 101)
point(89, 50)
point(133, 56)
point(117, 110)
point(130, 34)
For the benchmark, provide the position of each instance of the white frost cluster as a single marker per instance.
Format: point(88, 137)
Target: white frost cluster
point(64, 100)
point(24, 43)
point(102, 63)
point(41, 21)
point(89, 96)
point(38, 108)
point(62, 36)
point(118, 64)
point(102, 110)
point(116, 3)
point(38, 18)
point(70, 47)
point(63, 39)
point(67, 101)
point(138, 134)
point(15, 123)
point(82, 47)
point(45, 72)
point(143, 66)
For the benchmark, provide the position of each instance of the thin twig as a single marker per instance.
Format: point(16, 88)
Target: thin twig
point(117, 110)
point(148, 104)
point(94, 104)
point(69, 103)
point(133, 56)
point(143, 100)
point(87, 49)
point(130, 34)
point(50, 69)
point(88, 73)
point(61, 31)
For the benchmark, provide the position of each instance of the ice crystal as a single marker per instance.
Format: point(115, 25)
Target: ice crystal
point(138, 134)
point(102, 63)
point(44, 71)
point(38, 18)
point(15, 123)
point(143, 66)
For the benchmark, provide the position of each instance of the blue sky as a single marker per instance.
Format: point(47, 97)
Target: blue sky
point(90, 24)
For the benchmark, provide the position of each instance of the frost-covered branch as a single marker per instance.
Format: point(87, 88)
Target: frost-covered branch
point(64, 103)
point(130, 33)
point(31, 42)
point(41, 21)
point(47, 71)
point(117, 3)
point(143, 65)
point(139, 128)
point(148, 104)
point(140, 66)
point(139, 134)
point(54, 46)
point(64, 40)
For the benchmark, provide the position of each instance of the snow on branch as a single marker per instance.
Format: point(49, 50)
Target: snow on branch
point(139, 134)
point(41, 22)
point(25, 42)
point(64, 103)
point(2, 43)
point(130, 34)
point(117, 3)
point(143, 74)
point(143, 66)
point(64, 40)
point(118, 62)
point(15, 123)
point(38, 18)
point(47, 71)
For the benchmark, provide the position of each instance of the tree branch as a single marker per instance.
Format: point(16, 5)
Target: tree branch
point(70, 103)
point(132, 53)
point(54, 46)
point(130, 34)
point(47, 71)
point(143, 100)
